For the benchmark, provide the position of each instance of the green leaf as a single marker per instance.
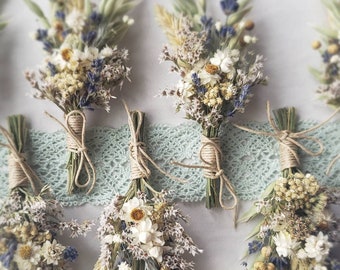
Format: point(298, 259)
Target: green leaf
point(37, 11)
point(255, 231)
point(238, 16)
point(327, 32)
point(2, 25)
point(250, 214)
point(269, 189)
point(317, 74)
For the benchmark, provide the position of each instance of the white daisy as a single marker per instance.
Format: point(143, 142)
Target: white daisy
point(285, 245)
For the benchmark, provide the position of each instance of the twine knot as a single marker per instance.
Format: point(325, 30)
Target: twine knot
point(288, 141)
point(211, 154)
point(19, 172)
point(75, 122)
point(138, 157)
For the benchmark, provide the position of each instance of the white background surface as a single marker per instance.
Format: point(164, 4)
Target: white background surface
point(285, 34)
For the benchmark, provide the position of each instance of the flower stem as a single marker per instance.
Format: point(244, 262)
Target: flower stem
point(17, 128)
point(212, 185)
point(285, 119)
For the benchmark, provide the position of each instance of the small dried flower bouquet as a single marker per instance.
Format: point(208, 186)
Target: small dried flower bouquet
point(82, 67)
point(218, 69)
point(30, 218)
point(142, 230)
point(329, 75)
point(295, 225)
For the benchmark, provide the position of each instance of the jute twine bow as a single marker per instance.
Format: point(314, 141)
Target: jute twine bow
point(20, 173)
point(75, 129)
point(138, 157)
point(288, 141)
point(210, 154)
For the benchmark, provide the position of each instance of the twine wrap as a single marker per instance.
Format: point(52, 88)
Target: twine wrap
point(75, 123)
point(138, 157)
point(211, 154)
point(20, 173)
point(288, 141)
point(288, 152)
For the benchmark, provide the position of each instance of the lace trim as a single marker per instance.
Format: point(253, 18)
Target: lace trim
point(250, 161)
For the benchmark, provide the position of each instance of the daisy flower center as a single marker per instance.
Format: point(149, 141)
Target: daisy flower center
point(137, 214)
point(66, 54)
point(25, 252)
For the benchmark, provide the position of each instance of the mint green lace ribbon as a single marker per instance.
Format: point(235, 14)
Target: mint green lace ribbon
point(250, 161)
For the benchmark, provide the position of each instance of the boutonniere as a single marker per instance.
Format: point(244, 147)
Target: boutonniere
point(142, 229)
point(82, 68)
point(295, 228)
point(31, 218)
point(218, 70)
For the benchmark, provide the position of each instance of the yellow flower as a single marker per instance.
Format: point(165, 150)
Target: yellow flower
point(25, 252)
point(316, 44)
point(259, 266)
point(333, 48)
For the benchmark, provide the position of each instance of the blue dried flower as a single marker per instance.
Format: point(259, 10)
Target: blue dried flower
point(197, 82)
point(254, 246)
point(227, 30)
point(41, 34)
point(60, 15)
point(70, 254)
point(206, 22)
point(95, 17)
point(97, 64)
point(229, 6)
point(7, 257)
point(52, 68)
point(280, 263)
point(195, 79)
point(326, 57)
point(85, 102)
point(89, 37)
point(48, 46)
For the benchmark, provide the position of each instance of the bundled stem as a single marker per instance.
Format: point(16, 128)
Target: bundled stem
point(212, 185)
point(286, 120)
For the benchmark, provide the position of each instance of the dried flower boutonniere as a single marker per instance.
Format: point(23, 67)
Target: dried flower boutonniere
point(82, 67)
point(295, 225)
point(329, 48)
point(142, 230)
point(30, 218)
point(218, 70)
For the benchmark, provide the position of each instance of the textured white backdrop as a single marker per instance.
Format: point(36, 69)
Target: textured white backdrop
point(285, 34)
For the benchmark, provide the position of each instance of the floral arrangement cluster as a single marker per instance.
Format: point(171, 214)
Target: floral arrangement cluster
point(214, 59)
point(143, 233)
point(217, 66)
point(29, 226)
point(296, 228)
point(82, 68)
point(83, 64)
point(329, 48)
point(142, 229)
point(31, 219)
